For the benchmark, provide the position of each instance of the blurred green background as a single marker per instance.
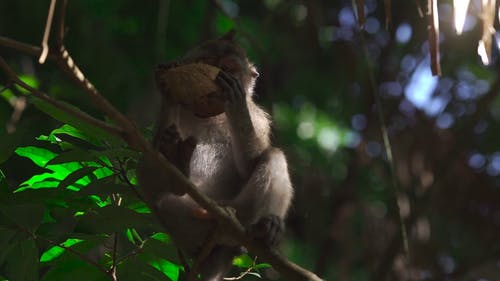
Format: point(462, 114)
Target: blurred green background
point(315, 81)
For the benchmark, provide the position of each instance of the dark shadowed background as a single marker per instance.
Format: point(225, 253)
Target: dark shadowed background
point(315, 80)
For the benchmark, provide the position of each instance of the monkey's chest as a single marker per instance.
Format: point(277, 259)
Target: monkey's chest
point(213, 171)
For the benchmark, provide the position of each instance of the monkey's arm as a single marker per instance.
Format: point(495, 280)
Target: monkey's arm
point(248, 144)
point(266, 197)
point(153, 181)
point(167, 141)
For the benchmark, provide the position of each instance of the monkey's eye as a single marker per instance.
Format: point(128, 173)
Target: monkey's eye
point(230, 65)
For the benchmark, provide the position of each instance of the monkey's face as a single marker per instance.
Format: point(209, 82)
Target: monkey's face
point(240, 68)
point(227, 55)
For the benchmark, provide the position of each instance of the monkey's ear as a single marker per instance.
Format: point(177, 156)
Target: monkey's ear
point(229, 35)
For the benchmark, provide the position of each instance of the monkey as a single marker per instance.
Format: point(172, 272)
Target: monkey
point(228, 157)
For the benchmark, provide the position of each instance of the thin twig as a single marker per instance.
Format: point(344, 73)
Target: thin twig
point(388, 13)
point(22, 47)
point(387, 145)
point(61, 30)
point(134, 252)
point(116, 201)
point(419, 9)
point(123, 176)
point(433, 34)
point(112, 271)
point(46, 34)
point(243, 274)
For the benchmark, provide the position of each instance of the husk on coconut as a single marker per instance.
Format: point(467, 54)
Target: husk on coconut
point(193, 85)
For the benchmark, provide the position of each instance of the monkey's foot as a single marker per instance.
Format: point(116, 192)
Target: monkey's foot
point(269, 230)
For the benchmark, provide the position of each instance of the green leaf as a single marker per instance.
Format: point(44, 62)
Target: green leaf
point(136, 268)
point(39, 156)
point(100, 202)
point(67, 130)
point(161, 249)
point(39, 182)
point(57, 251)
point(22, 262)
point(243, 261)
point(129, 234)
point(76, 155)
point(66, 141)
point(75, 122)
point(262, 265)
point(169, 269)
point(103, 172)
point(140, 207)
point(162, 237)
point(32, 81)
point(8, 95)
point(27, 216)
point(61, 171)
point(136, 236)
point(78, 176)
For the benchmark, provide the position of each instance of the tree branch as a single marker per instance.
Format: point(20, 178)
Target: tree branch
point(46, 34)
point(22, 47)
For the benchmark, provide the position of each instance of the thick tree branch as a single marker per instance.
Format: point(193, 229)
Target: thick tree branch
point(134, 138)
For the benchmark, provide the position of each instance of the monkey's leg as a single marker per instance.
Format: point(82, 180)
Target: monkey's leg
point(176, 215)
point(218, 263)
point(264, 200)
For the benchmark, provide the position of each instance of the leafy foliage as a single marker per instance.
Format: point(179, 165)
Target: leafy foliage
point(81, 202)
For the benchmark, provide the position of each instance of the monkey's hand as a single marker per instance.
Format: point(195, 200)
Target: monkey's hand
point(176, 150)
point(247, 144)
point(235, 94)
point(268, 229)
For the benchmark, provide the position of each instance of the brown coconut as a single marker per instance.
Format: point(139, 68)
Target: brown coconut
point(193, 85)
